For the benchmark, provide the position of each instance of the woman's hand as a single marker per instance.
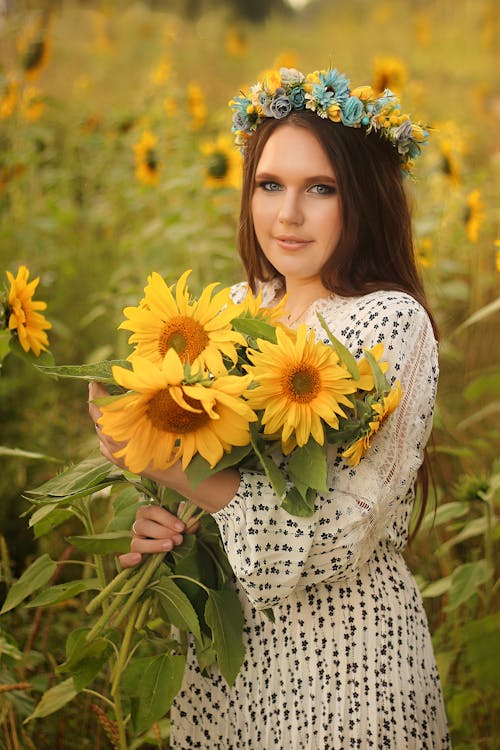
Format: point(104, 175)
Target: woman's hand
point(154, 530)
point(107, 445)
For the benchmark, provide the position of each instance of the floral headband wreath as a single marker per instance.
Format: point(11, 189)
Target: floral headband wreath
point(328, 94)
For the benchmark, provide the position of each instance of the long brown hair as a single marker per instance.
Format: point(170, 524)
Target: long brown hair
point(375, 249)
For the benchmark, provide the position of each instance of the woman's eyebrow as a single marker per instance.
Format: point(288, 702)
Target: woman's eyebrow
point(310, 178)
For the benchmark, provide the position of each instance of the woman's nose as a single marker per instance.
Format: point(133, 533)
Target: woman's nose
point(290, 211)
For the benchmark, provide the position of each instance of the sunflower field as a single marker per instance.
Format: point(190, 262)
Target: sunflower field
point(116, 161)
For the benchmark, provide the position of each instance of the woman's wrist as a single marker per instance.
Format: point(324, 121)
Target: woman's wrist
point(212, 494)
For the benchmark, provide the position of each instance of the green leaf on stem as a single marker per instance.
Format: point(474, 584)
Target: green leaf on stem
point(154, 681)
point(199, 469)
point(465, 581)
point(343, 353)
point(225, 618)
point(100, 371)
point(308, 464)
point(48, 517)
point(102, 544)
point(175, 607)
point(297, 505)
point(63, 591)
point(18, 453)
point(85, 660)
point(381, 384)
point(205, 652)
point(54, 698)
point(89, 475)
point(272, 471)
point(33, 578)
point(255, 329)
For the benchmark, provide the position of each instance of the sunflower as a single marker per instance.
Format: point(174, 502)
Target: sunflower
point(34, 48)
point(252, 306)
point(147, 164)
point(380, 412)
point(24, 318)
point(163, 419)
point(223, 163)
point(299, 383)
point(196, 106)
point(200, 332)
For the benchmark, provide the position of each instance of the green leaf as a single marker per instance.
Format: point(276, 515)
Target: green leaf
point(31, 580)
point(175, 607)
point(477, 317)
point(436, 588)
point(18, 453)
point(343, 353)
point(48, 517)
point(62, 591)
point(205, 652)
point(85, 660)
point(481, 649)
point(255, 329)
point(272, 471)
point(125, 505)
point(444, 513)
point(154, 681)
point(486, 385)
point(54, 699)
point(102, 544)
point(199, 469)
point(308, 465)
point(225, 618)
point(465, 581)
point(100, 371)
point(93, 473)
point(298, 505)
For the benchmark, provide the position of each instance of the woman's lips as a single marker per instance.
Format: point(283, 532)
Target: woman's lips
point(291, 243)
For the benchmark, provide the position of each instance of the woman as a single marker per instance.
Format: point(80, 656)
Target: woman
point(348, 661)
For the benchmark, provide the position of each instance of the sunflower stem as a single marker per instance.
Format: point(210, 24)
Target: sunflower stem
point(107, 590)
point(139, 587)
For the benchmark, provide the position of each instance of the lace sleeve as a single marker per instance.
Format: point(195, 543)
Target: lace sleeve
point(272, 552)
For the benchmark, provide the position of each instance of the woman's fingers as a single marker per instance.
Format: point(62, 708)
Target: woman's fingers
point(129, 559)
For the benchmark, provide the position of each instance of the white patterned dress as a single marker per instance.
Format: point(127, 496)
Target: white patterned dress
point(348, 662)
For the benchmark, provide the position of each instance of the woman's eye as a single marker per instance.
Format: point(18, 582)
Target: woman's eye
point(270, 187)
point(324, 189)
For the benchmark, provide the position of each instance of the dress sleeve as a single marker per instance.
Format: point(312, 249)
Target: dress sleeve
point(272, 552)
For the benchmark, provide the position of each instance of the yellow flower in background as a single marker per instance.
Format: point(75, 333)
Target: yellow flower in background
point(223, 163)
point(389, 73)
point(474, 215)
point(196, 106)
point(423, 29)
point(299, 382)
point(161, 73)
point(380, 412)
point(147, 164)
point(32, 104)
point(423, 252)
point(452, 148)
point(24, 316)
point(9, 98)
point(200, 332)
point(164, 419)
point(236, 43)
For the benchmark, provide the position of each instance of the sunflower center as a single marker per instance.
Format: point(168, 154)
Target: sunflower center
point(302, 384)
point(166, 415)
point(185, 335)
point(218, 165)
point(151, 160)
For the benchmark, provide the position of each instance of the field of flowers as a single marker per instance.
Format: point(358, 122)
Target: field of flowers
point(116, 161)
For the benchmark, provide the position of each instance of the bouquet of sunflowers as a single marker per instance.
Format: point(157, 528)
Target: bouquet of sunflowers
point(212, 384)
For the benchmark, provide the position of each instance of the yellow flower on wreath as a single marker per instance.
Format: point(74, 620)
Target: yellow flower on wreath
point(380, 412)
point(147, 163)
point(299, 382)
point(163, 419)
point(199, 331)
point(25, 318)
point(223, 163)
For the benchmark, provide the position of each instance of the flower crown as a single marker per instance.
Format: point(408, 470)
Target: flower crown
point(328, 94)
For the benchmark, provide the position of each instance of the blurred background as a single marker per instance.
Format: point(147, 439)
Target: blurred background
point(116, 160)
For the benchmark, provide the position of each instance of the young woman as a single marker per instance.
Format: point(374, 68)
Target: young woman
point(348, 661)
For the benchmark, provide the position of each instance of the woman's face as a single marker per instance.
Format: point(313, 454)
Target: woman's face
point(295, 205)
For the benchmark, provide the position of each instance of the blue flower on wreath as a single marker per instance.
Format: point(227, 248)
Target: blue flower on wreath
point(351, 111)
point(336, 81)
point(322, 96)
point(298, 97)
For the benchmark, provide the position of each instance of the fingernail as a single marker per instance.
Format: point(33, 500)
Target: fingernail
point(178, 538)
point(167, 545)
point(179, 526)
